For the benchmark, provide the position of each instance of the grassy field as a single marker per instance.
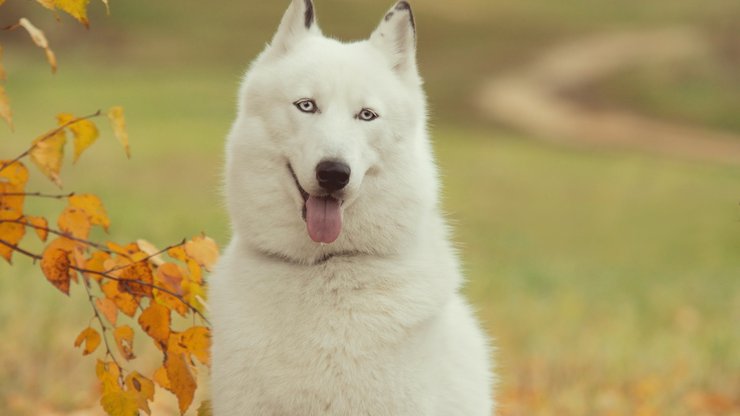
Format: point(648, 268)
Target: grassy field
point(609, 280)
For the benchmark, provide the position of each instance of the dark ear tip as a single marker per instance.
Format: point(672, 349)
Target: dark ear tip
point(309, 13)
point(405, 6)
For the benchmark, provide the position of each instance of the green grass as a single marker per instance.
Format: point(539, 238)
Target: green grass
point(598, 271)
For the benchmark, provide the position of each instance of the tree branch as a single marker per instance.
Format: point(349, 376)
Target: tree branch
point(65, 235)
point(37, 194)
point(108, 351)
point(14, 247)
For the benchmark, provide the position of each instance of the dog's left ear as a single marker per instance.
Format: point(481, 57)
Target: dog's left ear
point(298, 21)
point(396, 37)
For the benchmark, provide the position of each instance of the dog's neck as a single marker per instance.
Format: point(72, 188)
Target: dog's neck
point(307, 262)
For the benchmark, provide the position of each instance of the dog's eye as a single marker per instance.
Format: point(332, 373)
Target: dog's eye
point(307, 105)
point(367, 115)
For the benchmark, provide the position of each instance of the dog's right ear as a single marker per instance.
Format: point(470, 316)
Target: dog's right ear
point(298, 21)
point(396, 37)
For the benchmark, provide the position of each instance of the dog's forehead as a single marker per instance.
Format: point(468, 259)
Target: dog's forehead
point(329, 55)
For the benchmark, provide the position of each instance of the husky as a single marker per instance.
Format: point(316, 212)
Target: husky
point(339, 292)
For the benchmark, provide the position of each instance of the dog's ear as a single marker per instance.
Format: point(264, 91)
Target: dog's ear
point(396, 37)
point(298, 21)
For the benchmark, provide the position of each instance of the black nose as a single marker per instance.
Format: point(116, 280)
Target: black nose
point(332, 175)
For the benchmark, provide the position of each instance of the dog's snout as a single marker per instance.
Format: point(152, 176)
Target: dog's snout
point(332, 175)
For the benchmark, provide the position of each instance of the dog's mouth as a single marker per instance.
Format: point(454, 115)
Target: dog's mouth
point(322, 214)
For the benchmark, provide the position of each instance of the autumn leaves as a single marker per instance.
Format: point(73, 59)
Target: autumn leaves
point(47, 151)
point(134, 290)
point(135, 280)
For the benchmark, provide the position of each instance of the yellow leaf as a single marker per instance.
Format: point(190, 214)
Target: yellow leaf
point(195, 295)
point(155, 321)
point(49, 4)
point(37, 36)
point(150, 250)
point(120, 403)
point(96, 263)
point(180, 375)
point(75, 8)
point(92, 207)
point(169, 276)
point(160, 376)
point(127, 250)
point(14, 173)
point(108, 309)
point(197, 341)
point(39, 39)
point(13, 179)
point(125, 302)
point(203, 250)
point(109, 375)
point(107, 7)
point(142, 388)
point(196, 274)
point(124, 337)
point(5, 112)
point(10, 233)
point(40, 225)
point(84, 131)
point(52, 59)
point(117, 119)
point(136, 278)
point(74, 222)
point(47, 154)
point(91, 338)
point(56, 263)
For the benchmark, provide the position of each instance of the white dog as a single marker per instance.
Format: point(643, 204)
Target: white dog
point(339, 293)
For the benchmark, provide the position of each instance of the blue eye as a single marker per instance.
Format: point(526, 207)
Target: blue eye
point(307, 105)
point(367, 115)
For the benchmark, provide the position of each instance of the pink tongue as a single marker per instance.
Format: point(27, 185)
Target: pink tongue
point(324, 219)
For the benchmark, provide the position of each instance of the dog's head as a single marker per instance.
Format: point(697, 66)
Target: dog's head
point(329, 150)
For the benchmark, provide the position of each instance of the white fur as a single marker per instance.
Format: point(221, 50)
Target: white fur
point(372, 324)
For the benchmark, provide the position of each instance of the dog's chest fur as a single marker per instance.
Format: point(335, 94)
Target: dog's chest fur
point(341, 336)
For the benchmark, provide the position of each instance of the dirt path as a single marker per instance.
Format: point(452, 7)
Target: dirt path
point(535, 99)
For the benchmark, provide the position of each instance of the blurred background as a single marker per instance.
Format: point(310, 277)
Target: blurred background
point(590, 153)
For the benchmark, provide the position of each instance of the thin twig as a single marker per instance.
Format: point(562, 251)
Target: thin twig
point(108, 350)
point(51, 133)
point(20, 250)
point(8, 28)
point(65, 235)
point(37, 194)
